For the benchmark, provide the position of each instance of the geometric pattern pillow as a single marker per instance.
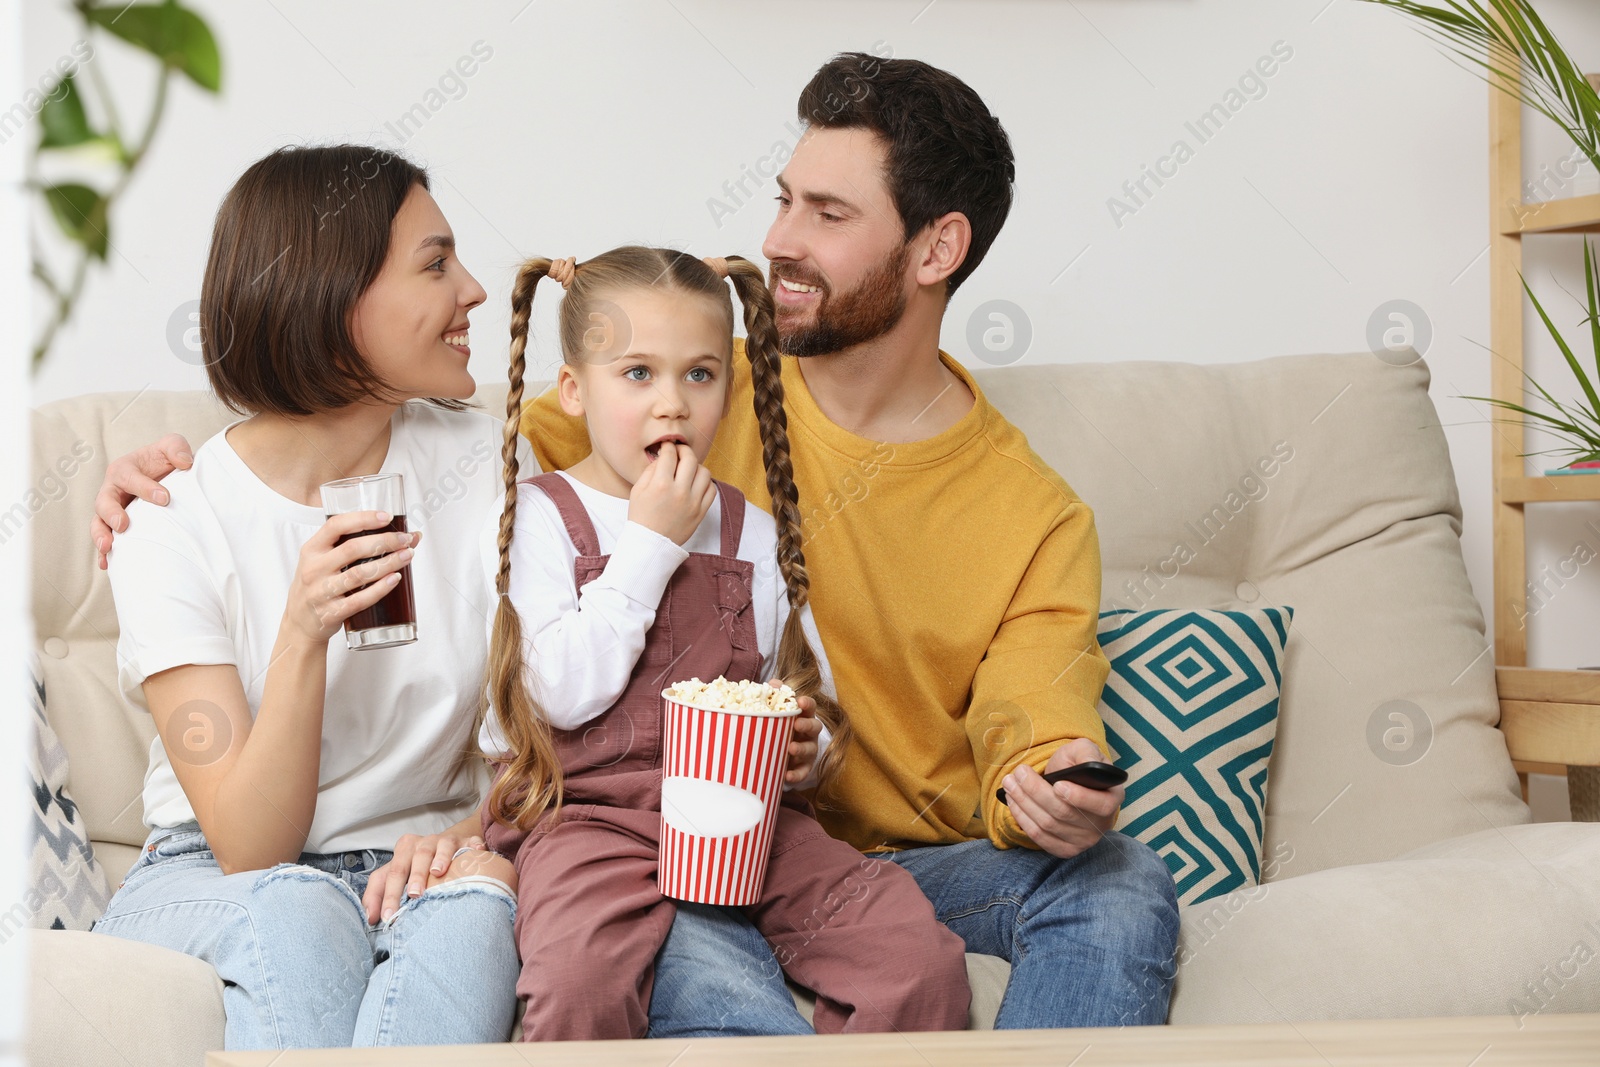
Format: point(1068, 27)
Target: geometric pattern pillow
point(67, 888)
point(1191, 711)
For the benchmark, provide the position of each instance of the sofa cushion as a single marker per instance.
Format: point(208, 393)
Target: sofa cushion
point(1506, 920)
point(66, 888)
point(1323, 482)
point(1191, 708)
point(96, 999)
point(75, 621)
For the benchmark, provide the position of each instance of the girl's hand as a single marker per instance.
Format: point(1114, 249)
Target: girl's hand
point(417, 863)
point(803, 742)
point(673, 494)
point(324, 594)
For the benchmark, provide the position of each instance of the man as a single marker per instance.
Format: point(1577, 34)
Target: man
point(955, 579)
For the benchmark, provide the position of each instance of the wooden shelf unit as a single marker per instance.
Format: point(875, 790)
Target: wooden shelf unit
point(1551, 718)
point(1537, 489)
point(1577, 214)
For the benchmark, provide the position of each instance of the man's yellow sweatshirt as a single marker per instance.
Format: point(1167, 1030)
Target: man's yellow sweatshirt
point(956, 586)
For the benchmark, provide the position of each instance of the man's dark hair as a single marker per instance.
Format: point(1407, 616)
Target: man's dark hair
point(946, 152)
point(298, 239)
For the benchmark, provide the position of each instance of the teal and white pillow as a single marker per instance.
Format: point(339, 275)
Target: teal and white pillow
point(1191, 712)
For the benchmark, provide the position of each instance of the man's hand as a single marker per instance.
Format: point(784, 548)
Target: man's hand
point(138, 474)
point(1064, 819)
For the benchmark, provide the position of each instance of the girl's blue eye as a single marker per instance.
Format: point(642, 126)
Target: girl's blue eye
point(629, 373)
point(701, 370)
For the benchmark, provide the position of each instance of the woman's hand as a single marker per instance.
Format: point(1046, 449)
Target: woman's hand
point(420, 862)
point(137, 474)
point(324, 594)
point(673, 494)
point(803, 741)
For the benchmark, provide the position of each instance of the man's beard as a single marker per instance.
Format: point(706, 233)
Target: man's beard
point(867, 312)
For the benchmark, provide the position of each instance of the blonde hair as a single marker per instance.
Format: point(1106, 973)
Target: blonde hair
point(531, 783)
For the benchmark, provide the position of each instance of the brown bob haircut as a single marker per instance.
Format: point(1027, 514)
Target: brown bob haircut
point(946, 152)
point(298, 239)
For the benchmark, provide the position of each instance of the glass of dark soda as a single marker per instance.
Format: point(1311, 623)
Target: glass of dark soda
point(392, 620)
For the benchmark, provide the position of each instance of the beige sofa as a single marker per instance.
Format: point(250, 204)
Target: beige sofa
point(1394, 890)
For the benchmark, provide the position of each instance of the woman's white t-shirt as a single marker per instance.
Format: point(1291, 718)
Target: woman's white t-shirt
point(205, 580)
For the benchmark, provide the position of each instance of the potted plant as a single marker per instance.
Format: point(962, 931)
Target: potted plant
point(1509, 44)
point(182, 43)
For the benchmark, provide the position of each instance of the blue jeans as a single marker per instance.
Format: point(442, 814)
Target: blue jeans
point(300, 966)
point(1091, 942)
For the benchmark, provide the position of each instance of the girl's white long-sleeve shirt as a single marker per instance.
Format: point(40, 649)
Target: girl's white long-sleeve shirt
point(579, 648)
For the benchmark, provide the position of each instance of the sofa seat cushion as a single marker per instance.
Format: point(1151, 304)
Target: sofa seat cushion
point(1506, 920)
point(987, 975)
point(100, 999)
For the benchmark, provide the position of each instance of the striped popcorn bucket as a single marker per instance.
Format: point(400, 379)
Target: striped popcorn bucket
point(723, 779)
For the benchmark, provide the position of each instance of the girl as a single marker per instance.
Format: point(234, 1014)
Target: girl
point(286, 769)
point(634, 570)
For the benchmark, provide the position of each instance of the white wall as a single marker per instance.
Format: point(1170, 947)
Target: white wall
point(1359, 177)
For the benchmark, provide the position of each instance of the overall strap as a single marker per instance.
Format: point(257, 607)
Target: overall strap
point(732, 517)
point(573, 514)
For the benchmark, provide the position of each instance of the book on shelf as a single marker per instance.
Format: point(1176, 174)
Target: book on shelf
point(1587, 466)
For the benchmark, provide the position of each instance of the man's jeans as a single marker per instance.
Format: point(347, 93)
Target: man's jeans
point(1091, 942)
point(299, 964)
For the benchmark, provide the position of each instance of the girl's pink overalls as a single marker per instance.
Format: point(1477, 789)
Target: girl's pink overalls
point(856, 931)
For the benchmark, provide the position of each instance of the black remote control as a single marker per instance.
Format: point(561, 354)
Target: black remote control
point(1093, 775)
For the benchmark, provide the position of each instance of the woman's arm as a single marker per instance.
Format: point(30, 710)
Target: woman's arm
point(253, 785)
point(252, 781)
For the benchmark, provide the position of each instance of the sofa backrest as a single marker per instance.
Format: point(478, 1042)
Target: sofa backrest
point(1357, 528)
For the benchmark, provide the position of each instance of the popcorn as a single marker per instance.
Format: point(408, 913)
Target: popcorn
point(750, 698)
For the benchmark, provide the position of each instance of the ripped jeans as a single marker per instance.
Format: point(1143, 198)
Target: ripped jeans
point(300, 966)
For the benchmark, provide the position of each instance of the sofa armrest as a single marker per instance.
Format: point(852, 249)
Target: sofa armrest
point(1550, 716)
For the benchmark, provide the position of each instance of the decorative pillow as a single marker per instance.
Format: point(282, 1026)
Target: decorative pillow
point(66, 887)
point(1191, 711)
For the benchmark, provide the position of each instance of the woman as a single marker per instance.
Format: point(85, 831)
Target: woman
point(287, 769)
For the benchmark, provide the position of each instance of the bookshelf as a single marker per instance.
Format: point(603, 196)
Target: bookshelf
point(1561, 704)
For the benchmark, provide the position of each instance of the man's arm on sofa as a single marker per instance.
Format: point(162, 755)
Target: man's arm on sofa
point(137, 474)
point(1035, 696)
point(559, 440)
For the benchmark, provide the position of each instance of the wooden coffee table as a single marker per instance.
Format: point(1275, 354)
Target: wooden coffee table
point(1483, 1041)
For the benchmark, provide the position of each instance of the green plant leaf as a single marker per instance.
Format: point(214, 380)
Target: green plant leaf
point(63, 118)
point(1577, 438)
point(173, 34)
point(1566, 350)
point(1521, 57)
point(1591, 282)
point(1576, 416)
point(1509, 405)
point(81, 214)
